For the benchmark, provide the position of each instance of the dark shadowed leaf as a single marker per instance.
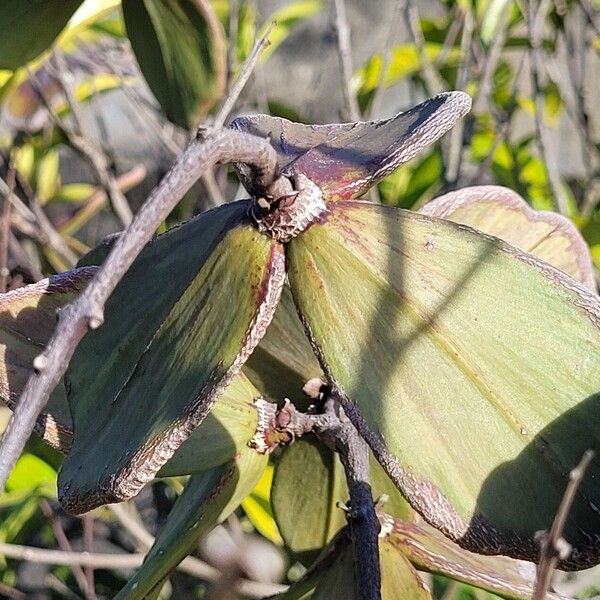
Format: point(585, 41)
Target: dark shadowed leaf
point(346, 159)
point(178, 328)
point(333, 575)
point(28, 28)
point(180, 48)
point(27, 321)
point(208, 499)
point(283, 361)
point(472, 368)
point(309, 480)
point(501, 212)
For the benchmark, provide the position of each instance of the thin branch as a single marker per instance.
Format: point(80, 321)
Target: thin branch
point(63, 543)
point(456, 135)
point(211, 147)
point(253, 589)
point(386, 58)
point(5, 230)
point(431, 78)
point(335, 430)
point(342, 30)
point(88, 546)
point(554, 546)
point(241, 81)
point(535, 22)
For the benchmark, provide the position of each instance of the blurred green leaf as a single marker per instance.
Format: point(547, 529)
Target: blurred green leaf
point(47, 175)
point(286, 18)
point(31, 473)
point(74, 192)
point(28, 28)
point(180, 48)
point(492, 18)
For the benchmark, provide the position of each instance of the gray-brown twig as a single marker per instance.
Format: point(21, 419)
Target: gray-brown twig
point(553, 545)
point(211, 147)
point(342, 30)
point(535, 22)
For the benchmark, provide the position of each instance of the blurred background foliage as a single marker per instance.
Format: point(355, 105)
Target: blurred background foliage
point(96, 98)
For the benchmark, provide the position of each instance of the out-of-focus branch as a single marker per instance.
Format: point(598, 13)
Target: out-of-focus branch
point(456, 135)
point(83, 141)
point(5, 230)
point(535, 24)
point(342, 30)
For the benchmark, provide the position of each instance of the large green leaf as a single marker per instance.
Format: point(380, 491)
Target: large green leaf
point(178, 328)
point(501, 212)
point(208, 499)
point(472, 368)
point(180, 48)
point(346, 159)
point(28, 28)
point(308, 483)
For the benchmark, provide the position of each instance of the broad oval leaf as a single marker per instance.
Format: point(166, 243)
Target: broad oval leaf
point(308, 483)
point(28, 28)
point(177, 329)
point(501, 212)
point(472, 369)
point(346, 159)
point(207, 499)
point(180, 48)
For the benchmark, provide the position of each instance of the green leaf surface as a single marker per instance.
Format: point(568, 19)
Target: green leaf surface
point(309, 481)
point(177, 329)
point(346, 159)
point(503, 213)
point(180, 48)
point(28, 28)
point(207, 499)
point(472, 368)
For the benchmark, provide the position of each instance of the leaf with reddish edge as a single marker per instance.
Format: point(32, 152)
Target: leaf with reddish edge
point(346, 159)
point(428, 550)
point(178, 328)
point(470, 367)
point(499, 211)
point(27, 321)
